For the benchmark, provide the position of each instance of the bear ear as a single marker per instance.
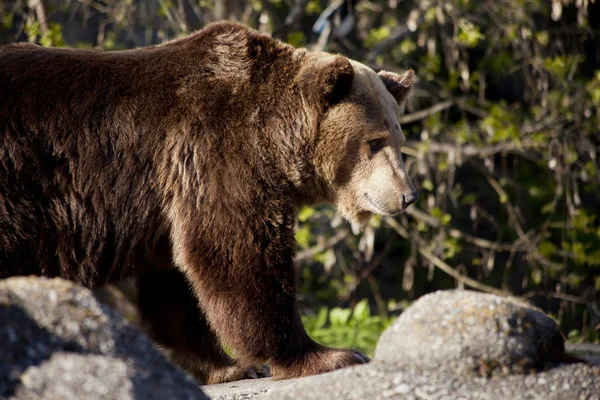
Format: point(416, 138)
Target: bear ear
point(398, 85)
point(327, 80)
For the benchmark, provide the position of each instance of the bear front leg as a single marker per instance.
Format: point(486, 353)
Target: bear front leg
point(172, 317)
point(245, 281)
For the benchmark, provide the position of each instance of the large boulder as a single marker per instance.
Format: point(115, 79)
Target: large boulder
point(468, 333)
point(58, 342)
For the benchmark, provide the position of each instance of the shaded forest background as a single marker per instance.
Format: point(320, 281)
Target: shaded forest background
point(503, 139)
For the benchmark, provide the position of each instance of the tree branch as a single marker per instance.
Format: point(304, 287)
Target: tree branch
point(422, 114)
point(307, 254)
point(442, 265)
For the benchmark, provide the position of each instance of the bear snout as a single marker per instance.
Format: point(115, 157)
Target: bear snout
point(408, 199)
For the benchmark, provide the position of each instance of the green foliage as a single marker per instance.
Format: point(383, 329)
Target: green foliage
point(443, 217)
point(346, 328)
point(303, 236)
point(407, 46)
point(50, 36)
point(313, 7)
point(165, 5)
point(7, 20)
point(306, 213)
point(500, 61)
point(576, 336)
point(53, 37)
point(469, 34)
point(557, 66)
point(377, 35)
point(431, 66)
point(296, 39)
point(500, 124)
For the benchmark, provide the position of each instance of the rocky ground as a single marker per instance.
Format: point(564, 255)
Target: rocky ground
point(57, 341)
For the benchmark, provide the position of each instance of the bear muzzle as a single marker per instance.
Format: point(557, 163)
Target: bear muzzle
point(408, 199)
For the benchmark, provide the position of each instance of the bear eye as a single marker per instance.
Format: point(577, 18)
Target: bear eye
point(376, 145)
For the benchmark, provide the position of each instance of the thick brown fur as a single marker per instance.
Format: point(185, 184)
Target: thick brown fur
point(182, 165)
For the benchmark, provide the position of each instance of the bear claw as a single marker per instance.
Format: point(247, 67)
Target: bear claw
point(236, 373)
point(362, 358)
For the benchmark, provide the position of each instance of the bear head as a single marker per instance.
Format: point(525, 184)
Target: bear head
point(357, 150)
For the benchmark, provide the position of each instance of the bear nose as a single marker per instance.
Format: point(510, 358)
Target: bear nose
point(408, 199)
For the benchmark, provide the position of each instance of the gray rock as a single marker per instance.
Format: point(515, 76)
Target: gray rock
point(468, 332)
point(381, 381)
point(587, 351)
point(76, 376)
point(58, 342)
point(248, 389)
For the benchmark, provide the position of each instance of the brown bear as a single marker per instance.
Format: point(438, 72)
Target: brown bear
point(182, 165)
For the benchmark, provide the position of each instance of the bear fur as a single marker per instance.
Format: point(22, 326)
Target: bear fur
point(182, 165)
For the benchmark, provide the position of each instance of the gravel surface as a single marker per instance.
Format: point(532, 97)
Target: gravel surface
point(379, 381)
point(382, 381)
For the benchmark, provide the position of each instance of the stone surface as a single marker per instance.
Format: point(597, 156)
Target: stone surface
point(76, 376)
point(380, 381)
point(383, 381)
point(249, 388)
point(471, 333)
point(58, 342)
point(587, 351)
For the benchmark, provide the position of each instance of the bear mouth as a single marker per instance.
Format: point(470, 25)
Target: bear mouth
point(379, 209)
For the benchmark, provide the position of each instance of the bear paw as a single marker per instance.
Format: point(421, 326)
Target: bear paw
point(317, 361)
point(235, 373)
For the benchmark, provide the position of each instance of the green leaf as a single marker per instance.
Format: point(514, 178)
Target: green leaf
point(547, 249)
point(7, 20)
point(377, 35)
point(313, 7)
point(305, 214)
point(321, 317)
point(427, 185)
point(407, 46)
point(303, 236)
point(469, 34)
point(557, 66)
point(339, 316)
point(549, 208)
point(361, 310)
point(296, 39)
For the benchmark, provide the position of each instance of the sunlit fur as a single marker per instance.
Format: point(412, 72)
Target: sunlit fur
point(363, 183)
point(182, 166)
